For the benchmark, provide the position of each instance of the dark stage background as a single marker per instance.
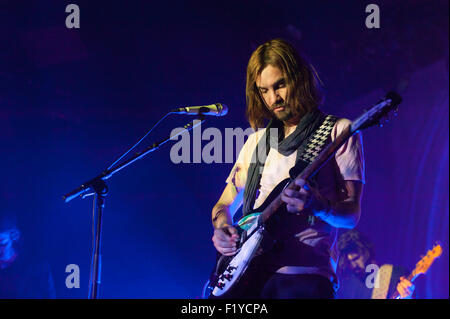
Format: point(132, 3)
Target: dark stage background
point(72, 100)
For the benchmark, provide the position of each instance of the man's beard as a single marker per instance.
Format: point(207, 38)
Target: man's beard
point(283, 115)
point(359, 272)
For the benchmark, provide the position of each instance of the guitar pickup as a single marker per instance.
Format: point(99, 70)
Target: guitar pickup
point(228, 277)
point(230, 268)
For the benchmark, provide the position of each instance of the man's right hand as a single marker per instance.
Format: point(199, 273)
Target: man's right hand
point(225, 239)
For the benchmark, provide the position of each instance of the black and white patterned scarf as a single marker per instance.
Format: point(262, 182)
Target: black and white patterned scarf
point(286, 146)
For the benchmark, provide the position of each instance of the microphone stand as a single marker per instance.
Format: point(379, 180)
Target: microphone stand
point(98, 187)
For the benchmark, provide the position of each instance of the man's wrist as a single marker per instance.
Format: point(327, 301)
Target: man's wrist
point(220, 219)
point(322, 208)
point(221, 225)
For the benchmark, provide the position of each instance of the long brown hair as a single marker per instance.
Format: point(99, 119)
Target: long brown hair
point(353, 241)
point(301, 79)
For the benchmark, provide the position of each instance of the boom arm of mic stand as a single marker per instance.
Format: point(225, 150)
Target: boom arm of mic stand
point(90, 185)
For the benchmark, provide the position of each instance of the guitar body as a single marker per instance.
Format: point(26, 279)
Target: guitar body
point(249, 285)
point(244, 274)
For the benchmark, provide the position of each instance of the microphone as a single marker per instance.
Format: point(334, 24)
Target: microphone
point(216, 109)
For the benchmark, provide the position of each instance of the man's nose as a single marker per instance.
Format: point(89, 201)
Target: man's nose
point(274, 98)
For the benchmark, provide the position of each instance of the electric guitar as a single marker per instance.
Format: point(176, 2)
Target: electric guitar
point(422, 266)
point(233, 272)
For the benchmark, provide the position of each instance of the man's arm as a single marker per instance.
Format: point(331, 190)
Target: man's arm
point(346, 213)
point(225, 235)
point(221, 214)
point(343, 214)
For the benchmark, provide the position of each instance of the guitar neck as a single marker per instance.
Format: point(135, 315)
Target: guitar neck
point(310, 170)
point(411, 277)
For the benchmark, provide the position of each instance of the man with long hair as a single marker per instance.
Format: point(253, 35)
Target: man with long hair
point(358, 271)
point(283, 89)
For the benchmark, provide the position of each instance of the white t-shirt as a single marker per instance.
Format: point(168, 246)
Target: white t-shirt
point(346, 165)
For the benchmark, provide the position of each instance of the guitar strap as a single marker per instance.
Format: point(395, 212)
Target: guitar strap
point(307, 151)
point(312, 147)
point(382, 282)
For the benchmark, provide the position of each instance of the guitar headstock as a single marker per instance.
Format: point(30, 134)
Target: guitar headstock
point(378, 114)
point(425, 263)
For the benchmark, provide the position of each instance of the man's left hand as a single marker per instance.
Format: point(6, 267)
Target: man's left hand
point(405, 288)
point(302, 197)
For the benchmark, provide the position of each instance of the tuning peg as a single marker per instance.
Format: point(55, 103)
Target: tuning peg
point(377, 123)
point(395, 111)
point(382, 121)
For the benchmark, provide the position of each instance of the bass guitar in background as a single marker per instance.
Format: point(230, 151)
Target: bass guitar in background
point(422, 266)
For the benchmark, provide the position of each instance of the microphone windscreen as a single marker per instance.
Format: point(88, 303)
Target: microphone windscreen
point(223, 109)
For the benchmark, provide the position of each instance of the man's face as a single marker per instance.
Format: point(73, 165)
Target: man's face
point(273, 89)
point(357, 263)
